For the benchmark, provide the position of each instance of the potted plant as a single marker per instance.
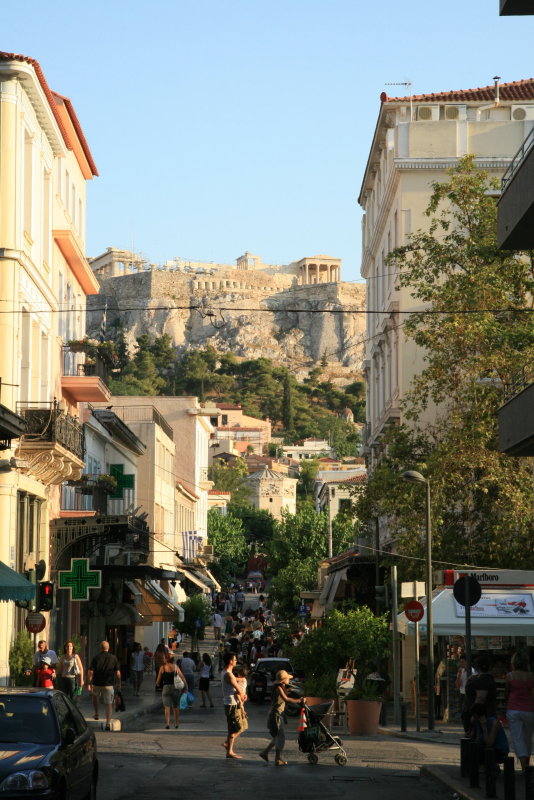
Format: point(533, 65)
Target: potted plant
point(355, 634)
point(21, 660)
point(319, 688)
point(364, 703)
point(107, 483)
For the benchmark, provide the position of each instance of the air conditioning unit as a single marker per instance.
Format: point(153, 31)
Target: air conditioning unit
point(427, 113)
point(207, 550)
point(520, 113)
point(452, 112)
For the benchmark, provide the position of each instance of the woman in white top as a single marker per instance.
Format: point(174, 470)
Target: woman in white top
point(69, 670)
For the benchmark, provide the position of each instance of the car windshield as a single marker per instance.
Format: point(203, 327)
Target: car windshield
point(26, 719)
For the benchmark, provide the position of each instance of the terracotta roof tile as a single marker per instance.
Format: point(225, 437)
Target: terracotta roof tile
point(514, 91)
point(50, 97)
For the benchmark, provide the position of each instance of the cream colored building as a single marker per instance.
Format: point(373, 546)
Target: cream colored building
point(416, 140)
point(272, 491)
point(191, 431)
point(44, 279)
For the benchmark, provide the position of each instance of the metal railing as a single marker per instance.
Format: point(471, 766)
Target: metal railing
point(519, 381)
point(143, 414)
point(517, 160)
point(76, 364)
point(47, 422)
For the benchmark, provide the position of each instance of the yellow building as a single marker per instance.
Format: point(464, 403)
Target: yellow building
point(44, 278)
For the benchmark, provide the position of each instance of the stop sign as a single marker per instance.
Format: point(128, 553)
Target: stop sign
point(414, 610)
point(35, 622)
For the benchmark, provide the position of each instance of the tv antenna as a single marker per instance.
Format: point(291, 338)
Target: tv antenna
point(404, 83)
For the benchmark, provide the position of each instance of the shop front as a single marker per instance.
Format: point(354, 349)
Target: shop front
point(502, 621)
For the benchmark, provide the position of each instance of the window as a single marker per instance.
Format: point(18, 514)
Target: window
point(65, 716)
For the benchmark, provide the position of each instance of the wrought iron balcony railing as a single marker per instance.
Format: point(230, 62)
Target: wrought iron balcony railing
point(517, 160)
point(519, 381)
point(47, 422)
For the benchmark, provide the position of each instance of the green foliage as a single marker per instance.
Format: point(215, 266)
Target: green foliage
point(308, 471)
point(354, 634)
point(298, 544)
point(481, 499)
point(229, 478)
point(21, 658)
point(230, 547)
point(258, 524)
point(196, 607)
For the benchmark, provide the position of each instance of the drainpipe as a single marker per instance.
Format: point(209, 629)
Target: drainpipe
point(496, 103)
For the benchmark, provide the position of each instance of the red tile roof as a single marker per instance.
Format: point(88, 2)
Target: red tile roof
point(50, 97)
point(515, 91)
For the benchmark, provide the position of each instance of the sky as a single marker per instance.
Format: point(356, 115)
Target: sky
point(219, 126)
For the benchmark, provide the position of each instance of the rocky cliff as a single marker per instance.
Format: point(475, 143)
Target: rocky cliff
point(249, 314)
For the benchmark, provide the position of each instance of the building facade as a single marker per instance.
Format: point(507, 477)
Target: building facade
point(45, 163)
point(417, 139)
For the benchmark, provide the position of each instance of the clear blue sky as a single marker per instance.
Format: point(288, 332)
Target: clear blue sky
point(220, 126)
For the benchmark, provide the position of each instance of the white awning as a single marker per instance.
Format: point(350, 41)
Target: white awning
point(191, 576)
point(158, 592)
point(499, 613)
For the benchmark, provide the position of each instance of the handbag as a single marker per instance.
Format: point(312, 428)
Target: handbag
point(178, 682)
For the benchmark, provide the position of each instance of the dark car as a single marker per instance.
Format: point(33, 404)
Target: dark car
point(255, 582)
point(261, 679)
point(47, 749)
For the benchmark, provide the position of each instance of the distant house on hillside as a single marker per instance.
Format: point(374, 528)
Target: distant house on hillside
point(236, 431)
point(309, 448)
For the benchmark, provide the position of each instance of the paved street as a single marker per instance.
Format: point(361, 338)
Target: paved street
point(192, 759)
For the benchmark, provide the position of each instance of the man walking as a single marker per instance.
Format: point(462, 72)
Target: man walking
point(217, 625)
point(188, 666)
point(103, 673)
point(43, 652)
point(137, 667)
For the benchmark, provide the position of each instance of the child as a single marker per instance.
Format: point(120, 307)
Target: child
point(241, 680)
point(45, 674)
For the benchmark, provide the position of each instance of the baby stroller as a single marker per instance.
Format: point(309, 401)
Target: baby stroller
point(314, 737)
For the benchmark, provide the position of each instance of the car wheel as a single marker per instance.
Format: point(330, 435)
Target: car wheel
point(91, 794)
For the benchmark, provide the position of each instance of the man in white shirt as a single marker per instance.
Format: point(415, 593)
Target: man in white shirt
point(217, 625)
point(43, 652)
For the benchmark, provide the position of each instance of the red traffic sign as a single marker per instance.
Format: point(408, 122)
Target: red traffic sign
point(35, 622)
point(414, 611)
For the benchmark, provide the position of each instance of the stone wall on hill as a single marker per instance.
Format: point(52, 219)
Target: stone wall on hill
point(255, 315)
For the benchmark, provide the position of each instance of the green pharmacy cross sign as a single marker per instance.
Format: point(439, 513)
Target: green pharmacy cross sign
point(79, 579)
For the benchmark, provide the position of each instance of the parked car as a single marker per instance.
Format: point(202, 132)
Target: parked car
point(255, 582)
point(261, 679)
point(48, 749)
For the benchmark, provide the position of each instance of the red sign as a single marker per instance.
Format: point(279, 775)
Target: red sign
point(35, 622)
point(414, 611)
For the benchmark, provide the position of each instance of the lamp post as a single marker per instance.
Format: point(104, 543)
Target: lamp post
point(415, 477)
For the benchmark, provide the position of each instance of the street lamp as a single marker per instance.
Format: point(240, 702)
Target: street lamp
point(415, 477)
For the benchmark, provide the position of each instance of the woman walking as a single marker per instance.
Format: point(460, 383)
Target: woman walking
point(519, 684)
point(170, 694)
point(205, 672)
point(276, 718)
point(159, 660)
point(69, 670)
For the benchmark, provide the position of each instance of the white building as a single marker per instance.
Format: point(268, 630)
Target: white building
point(416, 140)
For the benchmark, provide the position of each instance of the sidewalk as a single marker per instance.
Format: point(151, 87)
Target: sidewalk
point(447, 736)
point(148, 701)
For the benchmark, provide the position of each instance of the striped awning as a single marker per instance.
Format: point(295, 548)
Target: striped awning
point(14, 586)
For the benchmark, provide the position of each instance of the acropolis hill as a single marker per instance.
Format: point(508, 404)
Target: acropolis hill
point(268, 310)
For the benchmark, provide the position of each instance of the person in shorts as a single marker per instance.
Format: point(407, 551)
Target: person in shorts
point(232, 698)
point(170, 694)
point(102, 675)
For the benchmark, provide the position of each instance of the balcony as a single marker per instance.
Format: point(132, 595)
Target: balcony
point(515, 7)
point(84, 376)
point(53, 443)
point(89, 493)
point(11, 427)
point(516, 416)
point(515, 215)
point(88, 537)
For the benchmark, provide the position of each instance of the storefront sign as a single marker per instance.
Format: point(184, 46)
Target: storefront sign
point(502, 605)
point(79, 579)
point(490, 577)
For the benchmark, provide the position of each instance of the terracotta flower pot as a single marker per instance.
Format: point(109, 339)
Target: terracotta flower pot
point(363, 716)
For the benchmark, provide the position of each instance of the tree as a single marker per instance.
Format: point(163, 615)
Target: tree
point(309, 468)
point(197, 609)
point(287, 408)
point(475, 329)
point(225, 533)
point(230, 478)
point(258, 524)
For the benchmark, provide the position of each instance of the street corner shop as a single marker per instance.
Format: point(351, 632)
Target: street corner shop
point(502, 621)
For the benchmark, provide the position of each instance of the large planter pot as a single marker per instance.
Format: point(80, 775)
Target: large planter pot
point(363, 716)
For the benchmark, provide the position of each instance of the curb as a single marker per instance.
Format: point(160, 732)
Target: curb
point(450, 783)
point(431, 738)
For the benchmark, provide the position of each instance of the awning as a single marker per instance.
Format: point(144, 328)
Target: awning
point(330, 588)
point(154, 604)
point(498, 613)
point(125, 614)
point(14, 586)
point(196, 579)
point(216, 584)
